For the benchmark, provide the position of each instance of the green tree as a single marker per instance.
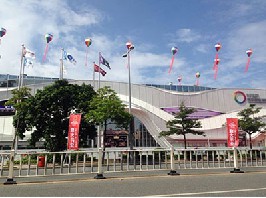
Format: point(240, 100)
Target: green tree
point(19, 102)
point(106, 108)
point(49, 110)
point(250, 123)
point(182, 124)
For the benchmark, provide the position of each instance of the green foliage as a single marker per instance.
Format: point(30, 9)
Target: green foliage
point(182, 125)
point(48, 114)
point(250, 123)
point(19, 101)
point(25, 160)
point(106, 105)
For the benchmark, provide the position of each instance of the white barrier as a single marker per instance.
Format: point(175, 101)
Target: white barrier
point(122, 160)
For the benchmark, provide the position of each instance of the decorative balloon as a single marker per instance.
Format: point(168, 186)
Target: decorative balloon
point(179, 80)
point(218, 46)
point(174, 51)
point(88, 42)
point(48, 38)
point(197, 76)
point(249, 53)
point(2, 33)
point(130, 47)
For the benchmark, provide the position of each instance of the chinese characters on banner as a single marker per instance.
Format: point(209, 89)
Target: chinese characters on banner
point(232, 132)
point(73, 132)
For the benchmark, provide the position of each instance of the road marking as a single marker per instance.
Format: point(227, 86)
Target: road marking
point(208, 192)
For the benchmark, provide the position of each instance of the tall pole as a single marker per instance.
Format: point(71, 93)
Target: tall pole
point(129, 103)
point(7, 80)
point(129, 84)
point(93, 75)
point(130, 47)
point(99, 81)
point(10, 178)
point(20, 80)
point(61, 65)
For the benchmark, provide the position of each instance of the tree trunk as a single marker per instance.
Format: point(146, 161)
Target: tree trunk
point(250, 143)
point(185, 141)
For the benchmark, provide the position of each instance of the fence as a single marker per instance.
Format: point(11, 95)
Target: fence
point(79, 162)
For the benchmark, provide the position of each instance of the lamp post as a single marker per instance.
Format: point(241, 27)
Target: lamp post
point(130, 47)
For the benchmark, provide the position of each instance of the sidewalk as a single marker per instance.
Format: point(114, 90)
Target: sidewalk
point(121, 175)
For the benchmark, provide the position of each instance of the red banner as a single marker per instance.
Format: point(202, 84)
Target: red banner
point(232, 132)
point(73, 132)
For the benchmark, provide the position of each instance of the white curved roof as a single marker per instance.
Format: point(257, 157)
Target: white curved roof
point(147, 104)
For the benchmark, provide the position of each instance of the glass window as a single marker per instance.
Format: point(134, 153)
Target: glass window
point(191, 89)
point(197, 88)
point(179, 88)
point(185, 88)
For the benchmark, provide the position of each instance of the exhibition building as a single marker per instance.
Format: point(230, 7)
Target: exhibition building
point(152, 106)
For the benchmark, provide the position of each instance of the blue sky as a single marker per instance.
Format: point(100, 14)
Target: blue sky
point(154, 27)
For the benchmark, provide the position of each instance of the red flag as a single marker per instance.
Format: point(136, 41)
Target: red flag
point(99, 69)
point(73, 132)
point(232, 132)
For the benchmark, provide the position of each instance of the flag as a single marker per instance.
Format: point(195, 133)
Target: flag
point(232, 132)
point(73, 132)
point(28, 53)
point(28, 62)
point(69, 57)
point(29, 56)
point(104, 61)
point(99, 69)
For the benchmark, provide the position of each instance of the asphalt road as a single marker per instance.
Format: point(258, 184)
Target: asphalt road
point(213, 184)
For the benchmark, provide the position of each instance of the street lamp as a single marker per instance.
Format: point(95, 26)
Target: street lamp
point(130, 47)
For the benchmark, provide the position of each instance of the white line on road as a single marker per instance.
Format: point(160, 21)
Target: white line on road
point(208, 192)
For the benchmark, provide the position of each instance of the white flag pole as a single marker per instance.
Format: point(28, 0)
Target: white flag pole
point(99, 81)
point(61, 65)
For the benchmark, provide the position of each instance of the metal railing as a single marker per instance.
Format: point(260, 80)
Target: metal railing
point(119, 160)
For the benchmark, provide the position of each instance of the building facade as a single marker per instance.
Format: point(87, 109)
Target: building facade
point(154, 105)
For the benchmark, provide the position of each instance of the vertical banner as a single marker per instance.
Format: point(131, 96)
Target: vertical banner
point(73, 132)
point(232, 132)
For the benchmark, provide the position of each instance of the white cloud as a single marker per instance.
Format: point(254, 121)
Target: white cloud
point(27, 24)
point(186, 35)
point(250, 35)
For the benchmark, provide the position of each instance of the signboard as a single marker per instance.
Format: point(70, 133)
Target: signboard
point(240, 97)
point(73, 132)
point(232, 132)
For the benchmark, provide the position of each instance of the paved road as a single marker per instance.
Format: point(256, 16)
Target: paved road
point(192, 183)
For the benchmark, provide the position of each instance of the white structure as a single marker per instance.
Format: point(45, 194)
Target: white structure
point(153, 104)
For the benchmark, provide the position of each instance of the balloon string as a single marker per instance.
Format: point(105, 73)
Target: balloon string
point(216, 71)
point(171, 64)
point(215, 62)
point(86, 57)
point(247, 65)
point(45, 53)
point(197, 82)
